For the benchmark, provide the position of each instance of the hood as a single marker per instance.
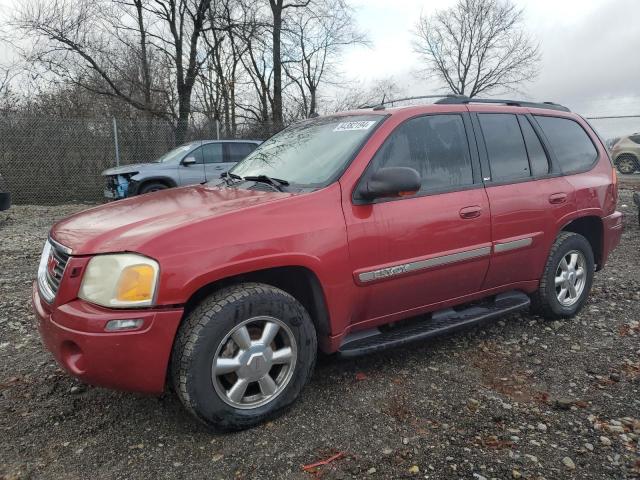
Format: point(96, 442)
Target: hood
point(130, 224)
point(134, 167)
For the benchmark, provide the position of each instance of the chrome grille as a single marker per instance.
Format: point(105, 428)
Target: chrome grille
point(52, 267)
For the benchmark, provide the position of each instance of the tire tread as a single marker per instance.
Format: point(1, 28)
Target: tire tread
point(540, 299)
point(190, 333)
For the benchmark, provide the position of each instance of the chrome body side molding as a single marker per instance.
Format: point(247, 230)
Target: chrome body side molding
point(506, 246)
point(403, 268)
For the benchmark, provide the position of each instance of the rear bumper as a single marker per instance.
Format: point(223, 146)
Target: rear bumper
point(134, 360)
point(611, 235)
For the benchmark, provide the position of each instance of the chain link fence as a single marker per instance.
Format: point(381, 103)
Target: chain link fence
point(55, 160)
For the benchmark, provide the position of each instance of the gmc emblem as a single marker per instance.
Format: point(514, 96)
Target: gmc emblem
point(52, 263)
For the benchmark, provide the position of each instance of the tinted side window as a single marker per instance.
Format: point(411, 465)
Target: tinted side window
point(569, 142)
point(212, 153)
point(537, 157)
point(635, 138)
point(237, 151)
point(505, 146)
point(435, 146)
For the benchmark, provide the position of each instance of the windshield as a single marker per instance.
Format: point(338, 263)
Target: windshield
point(175, 154)
point(311, 153)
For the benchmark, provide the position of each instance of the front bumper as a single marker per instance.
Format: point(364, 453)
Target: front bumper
point(611, 235)
point(119, 186)
point(135, 360)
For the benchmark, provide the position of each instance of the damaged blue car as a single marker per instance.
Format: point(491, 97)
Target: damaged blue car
point(188, 164)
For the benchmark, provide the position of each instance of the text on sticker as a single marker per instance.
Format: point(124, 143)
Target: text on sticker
point(348, 126)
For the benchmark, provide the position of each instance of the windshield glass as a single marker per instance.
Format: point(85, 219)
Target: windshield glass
point(310, 153)
point(175, 154)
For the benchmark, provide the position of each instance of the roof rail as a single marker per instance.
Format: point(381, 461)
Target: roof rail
point(461, 99)
point(380, 106)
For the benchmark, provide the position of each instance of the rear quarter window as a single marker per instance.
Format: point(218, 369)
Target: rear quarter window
point(570, 143)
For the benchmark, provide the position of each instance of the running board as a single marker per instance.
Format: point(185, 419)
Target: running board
point(439, 323)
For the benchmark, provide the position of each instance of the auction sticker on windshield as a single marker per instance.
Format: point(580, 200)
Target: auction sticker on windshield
point(349, 126)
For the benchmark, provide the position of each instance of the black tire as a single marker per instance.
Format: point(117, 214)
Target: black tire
point(626, 164)
point(152, 187)
point(545, 301)
point(205, 329)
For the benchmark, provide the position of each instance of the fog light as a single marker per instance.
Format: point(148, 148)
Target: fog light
point(117, 325)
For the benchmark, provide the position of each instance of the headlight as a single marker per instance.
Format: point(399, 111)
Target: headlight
point(120, 280)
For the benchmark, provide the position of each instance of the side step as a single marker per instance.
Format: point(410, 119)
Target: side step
point(439, 323)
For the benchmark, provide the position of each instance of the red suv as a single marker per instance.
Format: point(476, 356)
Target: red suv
point(348, 233)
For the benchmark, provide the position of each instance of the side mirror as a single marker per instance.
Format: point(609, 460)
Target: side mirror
point(188, 161)
point(391, 182)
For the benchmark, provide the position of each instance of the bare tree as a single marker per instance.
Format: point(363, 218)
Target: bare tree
point(359, 94)
point(92, 44)
point(219, 76)
point(477, 46)
point(278, 8)
point(257, 64)
point(316, 38)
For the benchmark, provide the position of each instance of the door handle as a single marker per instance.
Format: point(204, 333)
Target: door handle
point(557, 198)
point(473, 211)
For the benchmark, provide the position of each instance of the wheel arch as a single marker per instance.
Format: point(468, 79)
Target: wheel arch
point(299, 281)
point(592, 228)
point(168, 181)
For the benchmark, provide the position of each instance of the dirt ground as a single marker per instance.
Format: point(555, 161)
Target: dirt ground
point(517, 398)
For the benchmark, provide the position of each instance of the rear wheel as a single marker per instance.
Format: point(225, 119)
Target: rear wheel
point(626, 164)
point(152, 187)
point(243, 355)
point(567, 277)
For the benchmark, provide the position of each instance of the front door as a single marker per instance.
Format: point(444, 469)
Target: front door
point(192, 173)
point(411, 252)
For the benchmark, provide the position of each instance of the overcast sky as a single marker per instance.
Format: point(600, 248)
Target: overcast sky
point(590, 51)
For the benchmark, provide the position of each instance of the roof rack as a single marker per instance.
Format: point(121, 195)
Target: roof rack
point(461, 99)
point(380, 106)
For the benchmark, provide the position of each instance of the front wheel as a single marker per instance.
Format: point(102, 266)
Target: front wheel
point(152, 187)
point(567, 277)
point(243, 355)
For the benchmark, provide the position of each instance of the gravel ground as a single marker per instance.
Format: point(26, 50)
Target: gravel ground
point(518, 398)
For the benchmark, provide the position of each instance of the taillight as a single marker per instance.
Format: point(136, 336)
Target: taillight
point(614, 186)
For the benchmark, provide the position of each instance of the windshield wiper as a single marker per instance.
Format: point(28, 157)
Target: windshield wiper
point(276, 183)
point(230, 174)
point(227, 176)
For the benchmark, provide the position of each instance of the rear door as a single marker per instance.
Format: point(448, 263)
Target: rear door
point(411, 252)
point(214, 161)
point(236, 151)
point(527, 195)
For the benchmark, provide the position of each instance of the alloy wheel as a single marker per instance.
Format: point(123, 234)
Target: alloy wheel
point(570, 278)
point(254, 362)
